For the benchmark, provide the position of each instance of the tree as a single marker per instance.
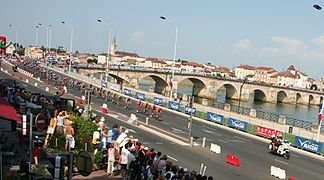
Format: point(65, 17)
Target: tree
point(43, 48)
point(77, 52)
point(92, 60)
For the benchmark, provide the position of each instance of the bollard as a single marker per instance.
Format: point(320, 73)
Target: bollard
point(85, 146)
point(65, 89)
point(1, 69)
point(38, 79)
point(203, 174)
point(204, 142)
point(35, 84)
point(191, 141)
point(47, 89)
point(146, 122)
point(27, 81)
point(55, 142)
point(6, 71)
point(201, 168)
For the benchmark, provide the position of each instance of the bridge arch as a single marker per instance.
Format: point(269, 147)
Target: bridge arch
point(159, 83)
point(282, 97)
point(311, 99)
point(118, 78)
point(259, 95)
point(229, 90)
point(191, 86)
point(299, 98)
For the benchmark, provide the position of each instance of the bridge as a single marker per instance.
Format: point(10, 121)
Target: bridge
point(210, 87)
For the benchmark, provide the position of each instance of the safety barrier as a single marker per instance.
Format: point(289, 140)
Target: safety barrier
point(234, 160)
point(277, 172)
point(25, 72)
point(215, 148)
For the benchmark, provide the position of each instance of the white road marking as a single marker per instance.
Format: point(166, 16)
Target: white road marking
point(120, 114)
point(179, 131)
point(211, 132)
point(281, 161)
point(208, 127)
point(235, 140)
point(242, 138)
point(132, 130)
point(295, 155)
point(174, 159)
point(222, 141)
point(113, 115)
point(24, 85)
point(159, 143)
point(146, 143)
point(163, 122)
point(211, 140)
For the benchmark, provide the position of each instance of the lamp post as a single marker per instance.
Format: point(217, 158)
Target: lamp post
point(48, 34)
point(319, 8)
point(37, 26)
point(16, 35)
point(71, 42)
point(109, 36)
point(175, 50)
point(239, 103)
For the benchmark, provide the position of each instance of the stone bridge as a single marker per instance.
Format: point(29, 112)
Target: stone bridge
point(209, 87)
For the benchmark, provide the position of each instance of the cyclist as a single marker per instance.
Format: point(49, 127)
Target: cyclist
point(138, 105)
point(152, 110)
point(146, 106)
point(128, 101)
point(158, 112)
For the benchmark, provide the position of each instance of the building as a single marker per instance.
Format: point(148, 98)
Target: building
point(243, 71)
point(192, 67)
point(264, 74)
point(33, 52)
point(154, 63)
point(292, 78)
point(102, 58)
point(221, 72)
point(10, 49)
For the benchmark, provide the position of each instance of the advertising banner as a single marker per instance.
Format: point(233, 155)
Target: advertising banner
point(140, 96)
point(215, 118)
point(127, 92)
point(158, 101)
point(234, 123)
point(266, 132)
point(187, 110)
point(174, 105)
point(114, 86)
point(308, 145)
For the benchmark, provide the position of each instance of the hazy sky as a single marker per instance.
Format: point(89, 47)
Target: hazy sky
point(273, 33)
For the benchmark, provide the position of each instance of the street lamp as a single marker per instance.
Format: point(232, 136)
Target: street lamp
point(107, 62)
point(71, 27)
point(175, 50)
point(37, 26)
point(16, 34)
point(48, 38)
point(239, 103)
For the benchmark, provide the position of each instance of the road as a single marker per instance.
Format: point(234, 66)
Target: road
point(255, 161)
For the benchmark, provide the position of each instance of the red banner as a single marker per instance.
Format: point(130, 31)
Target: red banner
point(266, 132)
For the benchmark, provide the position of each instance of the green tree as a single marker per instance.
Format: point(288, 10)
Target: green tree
point(92, 60)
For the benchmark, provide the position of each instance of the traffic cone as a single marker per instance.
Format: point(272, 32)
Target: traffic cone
point(104, 108)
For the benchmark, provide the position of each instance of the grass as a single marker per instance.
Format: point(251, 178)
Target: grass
point(289, 137)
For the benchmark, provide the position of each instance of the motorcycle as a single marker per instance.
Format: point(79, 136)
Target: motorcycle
point(282, 150)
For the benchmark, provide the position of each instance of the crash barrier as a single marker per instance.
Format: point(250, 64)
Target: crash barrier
point(266, 132)
point(25, 72)
point(234, 160)
point(278, 173)
point(174, 105)
point(104, 108)
point(216, 118)
point(237, 124)
point(215, 148)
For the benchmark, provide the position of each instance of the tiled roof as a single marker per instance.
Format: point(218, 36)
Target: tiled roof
point(264, 68)
point(155, 60)
point(288, 74)
point(247, 67)
point(291, 67)
point(194, 64)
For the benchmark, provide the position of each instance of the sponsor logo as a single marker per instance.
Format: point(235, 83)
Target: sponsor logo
point(127, 91)
point(308, 145)
point(157, 100)
point(238, 124)
point(174, 106)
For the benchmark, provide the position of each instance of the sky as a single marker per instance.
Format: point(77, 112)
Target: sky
point(228, 33)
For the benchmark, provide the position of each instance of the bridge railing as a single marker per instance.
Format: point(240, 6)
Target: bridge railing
point(241, 110)
point(298, 123)
point(267, 115)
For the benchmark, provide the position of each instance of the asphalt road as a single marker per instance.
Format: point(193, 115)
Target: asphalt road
point(254, 157)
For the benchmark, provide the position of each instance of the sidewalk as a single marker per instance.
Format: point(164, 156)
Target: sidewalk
point(100, 174)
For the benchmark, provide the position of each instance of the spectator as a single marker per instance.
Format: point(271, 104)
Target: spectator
point(161, 164)
point(60, 123)
point(115, 135)
point(109, 137)
point(124, 160)
point(111, 159)
point(96, 140)
point(104, 136)
point(121, 138)
point(70, 143)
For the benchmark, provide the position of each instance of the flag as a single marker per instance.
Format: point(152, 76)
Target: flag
point(320, 113)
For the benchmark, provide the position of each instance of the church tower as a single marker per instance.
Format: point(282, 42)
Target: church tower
point(113, 47)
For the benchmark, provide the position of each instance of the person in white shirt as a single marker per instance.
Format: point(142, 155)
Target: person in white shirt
point(96, 140)
point(121, 138)
point(124, 160)
point(60, 122)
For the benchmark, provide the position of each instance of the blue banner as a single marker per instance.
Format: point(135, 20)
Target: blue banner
point(158, 101)
point(215, 118)
point(174, 106)
point(140, 96)
point(127, 92)
point(308, 145)
point(187, 110)
point(234, 123)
